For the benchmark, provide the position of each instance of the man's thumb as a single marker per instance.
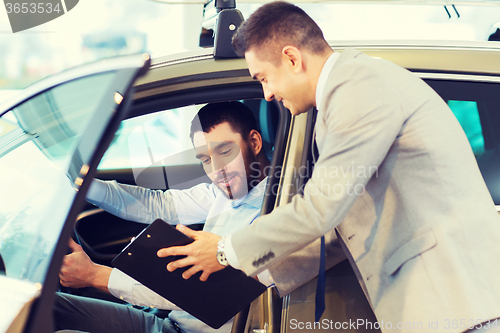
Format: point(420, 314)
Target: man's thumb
point(73, 246)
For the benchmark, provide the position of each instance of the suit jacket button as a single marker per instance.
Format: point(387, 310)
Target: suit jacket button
point(255, 264)
point(271, 255)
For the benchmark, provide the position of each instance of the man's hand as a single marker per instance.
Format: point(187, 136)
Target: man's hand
point(201, 254)
point(78, 271)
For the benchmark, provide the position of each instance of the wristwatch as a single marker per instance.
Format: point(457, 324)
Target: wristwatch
point(221, 255)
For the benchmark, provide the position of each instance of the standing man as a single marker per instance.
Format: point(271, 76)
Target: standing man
point(420, 231)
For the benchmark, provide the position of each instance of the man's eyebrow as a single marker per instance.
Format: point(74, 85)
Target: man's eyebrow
point(199, 156)
point(223, 144)
point(219, 146)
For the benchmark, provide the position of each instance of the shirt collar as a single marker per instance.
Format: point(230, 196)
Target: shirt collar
point(254, 197)
point(323, 76)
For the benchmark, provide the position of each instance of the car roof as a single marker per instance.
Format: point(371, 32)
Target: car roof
point(472, 57)
point(394, 2)
point(441, 56)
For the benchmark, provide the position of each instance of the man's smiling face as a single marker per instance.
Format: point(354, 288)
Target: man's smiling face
point(226, 158)
point(280, 82)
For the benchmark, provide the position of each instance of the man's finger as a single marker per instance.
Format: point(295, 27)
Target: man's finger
point(173, 251)
point(204, 276)
point(66, 261)
point(73, 245)
point(190, 272)
point(186, 231)
point(179, 263)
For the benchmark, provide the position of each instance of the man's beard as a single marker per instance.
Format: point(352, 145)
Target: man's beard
point(251, 176)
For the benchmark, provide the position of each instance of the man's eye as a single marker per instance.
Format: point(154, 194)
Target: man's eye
point(226, 152)
point(205, 161)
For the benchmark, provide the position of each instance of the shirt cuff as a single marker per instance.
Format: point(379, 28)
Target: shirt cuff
point(231, 257)
point(265, 278)
point(97, 191)
point(120, 284)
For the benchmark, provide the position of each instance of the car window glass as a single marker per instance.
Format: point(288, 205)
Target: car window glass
point(145, 140)
point(476, 105)
point(38, 141)
point(159, 153)
point(468, 116)
point(166, 133)
point(158, 149)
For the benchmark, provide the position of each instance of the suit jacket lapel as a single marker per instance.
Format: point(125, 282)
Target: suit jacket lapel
point(320, 128)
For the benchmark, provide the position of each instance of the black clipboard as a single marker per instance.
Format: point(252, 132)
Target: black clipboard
point(214, 301)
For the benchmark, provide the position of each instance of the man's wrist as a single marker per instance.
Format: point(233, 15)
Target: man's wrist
point(101, 277)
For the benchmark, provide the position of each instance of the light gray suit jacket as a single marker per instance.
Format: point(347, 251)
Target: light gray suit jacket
point(397, 180)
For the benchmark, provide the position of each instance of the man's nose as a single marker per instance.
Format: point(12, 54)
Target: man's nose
point(268, 95)
point(218, 164)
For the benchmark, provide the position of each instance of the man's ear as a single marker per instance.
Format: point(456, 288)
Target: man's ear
point(292, 57)
point(255, 142)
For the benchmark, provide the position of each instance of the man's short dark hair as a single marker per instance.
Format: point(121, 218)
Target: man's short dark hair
point(495, 37)
point(275, 25)
point(237, 114)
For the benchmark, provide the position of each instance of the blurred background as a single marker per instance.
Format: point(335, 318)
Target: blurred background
point(98, 29)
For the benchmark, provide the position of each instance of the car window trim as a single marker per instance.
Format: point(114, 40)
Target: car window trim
point(458, 77)
point(50, 82)
point(211, 94)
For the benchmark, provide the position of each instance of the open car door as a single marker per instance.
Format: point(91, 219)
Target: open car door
point(52, 137)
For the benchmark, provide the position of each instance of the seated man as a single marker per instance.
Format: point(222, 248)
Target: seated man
point(230, 148)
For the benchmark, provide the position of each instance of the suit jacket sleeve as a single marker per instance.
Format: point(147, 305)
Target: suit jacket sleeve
point(302, 266)
point(360, 119)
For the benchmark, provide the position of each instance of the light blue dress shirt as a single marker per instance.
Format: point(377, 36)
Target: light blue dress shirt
point(201, 203)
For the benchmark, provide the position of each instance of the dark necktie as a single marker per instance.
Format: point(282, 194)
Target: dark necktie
point(320, 287)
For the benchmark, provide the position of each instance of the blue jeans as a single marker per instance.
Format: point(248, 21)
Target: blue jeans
point(98, 316)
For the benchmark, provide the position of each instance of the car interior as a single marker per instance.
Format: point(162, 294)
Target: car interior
point(103, 235)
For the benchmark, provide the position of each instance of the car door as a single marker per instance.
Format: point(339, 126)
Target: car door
point(52, 137)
